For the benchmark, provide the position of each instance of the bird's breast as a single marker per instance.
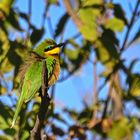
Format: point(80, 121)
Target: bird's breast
point(55, 74)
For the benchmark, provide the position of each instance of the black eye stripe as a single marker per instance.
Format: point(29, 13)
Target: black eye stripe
point(50, 48)
point(54, 46)
point(45, 50)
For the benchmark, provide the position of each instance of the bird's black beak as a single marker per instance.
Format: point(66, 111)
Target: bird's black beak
point(61, 45)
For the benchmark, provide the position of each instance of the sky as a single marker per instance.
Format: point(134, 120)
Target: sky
point(71, 92)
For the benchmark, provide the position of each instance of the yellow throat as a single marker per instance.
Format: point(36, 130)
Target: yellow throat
point(52, 52)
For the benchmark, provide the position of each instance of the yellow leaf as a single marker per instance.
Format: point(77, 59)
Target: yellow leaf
point(114, 24)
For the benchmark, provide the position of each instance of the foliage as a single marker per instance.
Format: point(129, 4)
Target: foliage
point(100, 22)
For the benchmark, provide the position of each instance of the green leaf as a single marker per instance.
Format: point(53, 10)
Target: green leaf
point(91, 2)
point(71, 54)
point(61, 24)
point(119, 13)
point(3, 90)
point(14, 58)
point(23, 15)
point(57, 131)
point(53, 2)
point(5, 6)
point(36, 35)
point(89, 29)
point(106, 50)
point(12, 19)
point(4, 45)
point(10, 131)
point(132, 64)
point(135, 85)
point(135, 38)
point(114, 24)
point(122, 129)
point(4, 137)
point(85, 116)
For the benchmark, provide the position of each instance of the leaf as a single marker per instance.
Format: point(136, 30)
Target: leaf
point(91, 2)
point(57, 131)
point(3, 90)
point(114, 24)
point(5, 116)
point(106, 50)
point(85, 116)
point(61, 24)
point(71, 54)
point(132, 64)
point(4, 137)
point(76, 131)
point(10, 131)
point(53, 2)
point(135, 38)
point(5, 6)
point(89, 29)
point(135, 85)
point(23, 15)
point(14, 58)
point(4, 45)
point(36, 35)
point(122, 129)
point(12, 19)
point(119, 13)
point(6, 66)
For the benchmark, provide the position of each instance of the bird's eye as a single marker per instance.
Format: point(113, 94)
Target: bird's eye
point(47, 49)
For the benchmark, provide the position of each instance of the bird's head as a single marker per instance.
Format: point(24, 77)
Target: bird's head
point(48, 47)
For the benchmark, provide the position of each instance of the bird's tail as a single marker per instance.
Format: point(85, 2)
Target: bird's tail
point(18, 109)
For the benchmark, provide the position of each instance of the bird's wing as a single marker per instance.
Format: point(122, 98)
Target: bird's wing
point(32, 80)
point(31, 84)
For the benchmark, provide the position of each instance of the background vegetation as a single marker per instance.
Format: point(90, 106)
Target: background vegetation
point(103, 34)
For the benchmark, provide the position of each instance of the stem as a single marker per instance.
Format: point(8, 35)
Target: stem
point(130, 26)
point(29, 18)
point(95, 89)
point(72, 13)
point(108, 99)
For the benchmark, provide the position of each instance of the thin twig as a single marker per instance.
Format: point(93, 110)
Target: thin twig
point(45, 101)
point(107, 100)
point(51, 30)
point(116, 98)
point(72, 13)
point(44, 14)
point(130, 26)
point(29, 18)
point(95, 89)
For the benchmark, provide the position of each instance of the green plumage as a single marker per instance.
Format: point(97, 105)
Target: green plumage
point(31, 73)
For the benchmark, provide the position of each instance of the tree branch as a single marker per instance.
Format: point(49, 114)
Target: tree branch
point(130, 26)
point(72, 13)
point(95, 89)
point(108, 99)
point(45, 101)
point(117, 111)
point(29, 18)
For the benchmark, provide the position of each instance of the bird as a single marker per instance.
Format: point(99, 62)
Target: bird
point(31, 71)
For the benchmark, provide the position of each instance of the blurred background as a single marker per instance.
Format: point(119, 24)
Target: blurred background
point(97, 96)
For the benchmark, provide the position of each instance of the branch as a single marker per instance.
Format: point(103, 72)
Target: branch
point(108, 99)
point(45, 101)
point(117, 110)
point(130, 25)
point(72, 13)
point(95, 89)
point(29, 18)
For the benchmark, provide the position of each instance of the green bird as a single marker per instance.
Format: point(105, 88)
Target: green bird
point(31, 71)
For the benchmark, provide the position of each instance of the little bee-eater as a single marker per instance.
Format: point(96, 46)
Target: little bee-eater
point(31, 71)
